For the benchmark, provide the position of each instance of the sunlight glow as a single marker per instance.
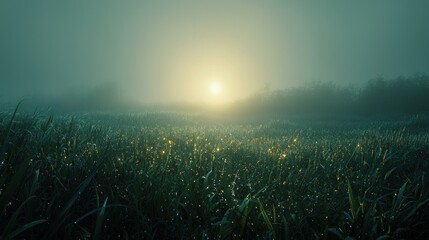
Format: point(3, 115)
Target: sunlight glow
point(215, 88)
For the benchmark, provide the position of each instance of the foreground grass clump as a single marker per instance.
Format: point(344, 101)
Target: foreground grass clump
point(171, 176)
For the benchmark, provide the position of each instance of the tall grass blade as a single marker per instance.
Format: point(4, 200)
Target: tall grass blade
point(244, 214)
point(8, 129)
point(94, 211)
point(336, 233)
point(389, 173)
point(413, 211)
point(12, 220)
point(14, 184)
point(400, 197)
point(352, 200)
point(60, 218)
point(265, 217)
point(100, 220)
point(25, 228)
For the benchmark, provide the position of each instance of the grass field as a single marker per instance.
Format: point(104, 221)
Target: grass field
point(172, 176)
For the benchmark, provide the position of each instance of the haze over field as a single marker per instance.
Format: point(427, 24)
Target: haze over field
point(202, 52)
point(220, 119)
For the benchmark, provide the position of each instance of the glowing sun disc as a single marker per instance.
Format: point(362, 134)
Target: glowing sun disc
point(215, 88)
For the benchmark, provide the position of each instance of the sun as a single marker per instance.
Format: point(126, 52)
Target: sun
point(215, 89)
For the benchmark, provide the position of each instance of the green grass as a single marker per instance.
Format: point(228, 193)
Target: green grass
point(163, 176)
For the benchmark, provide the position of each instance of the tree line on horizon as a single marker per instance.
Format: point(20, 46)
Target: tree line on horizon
point(380, 96)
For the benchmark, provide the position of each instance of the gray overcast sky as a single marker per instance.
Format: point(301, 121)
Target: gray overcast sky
point(164, 51)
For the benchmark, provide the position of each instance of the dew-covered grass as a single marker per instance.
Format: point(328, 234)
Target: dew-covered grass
point(172, 176)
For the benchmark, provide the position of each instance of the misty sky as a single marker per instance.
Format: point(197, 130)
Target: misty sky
point(161, 51)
